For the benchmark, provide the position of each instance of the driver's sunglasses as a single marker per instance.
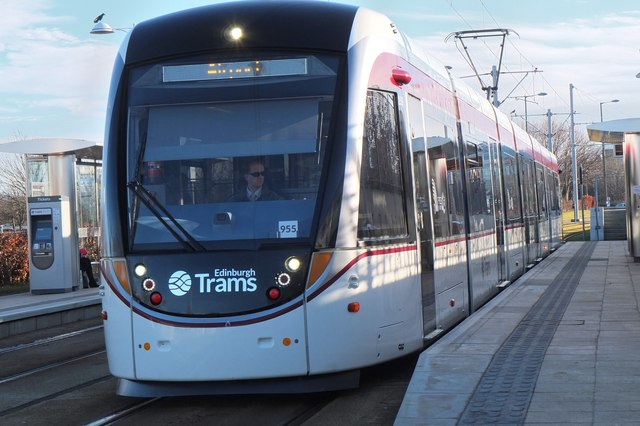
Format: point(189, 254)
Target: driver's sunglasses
point(257, 174)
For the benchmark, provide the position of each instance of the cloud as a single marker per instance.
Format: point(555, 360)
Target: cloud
point(51, 69)
point(599, 56)
point(20, 14)
point(47, 72)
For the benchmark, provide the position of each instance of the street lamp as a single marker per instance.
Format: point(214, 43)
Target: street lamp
point(104, 28)
point(524, 98)
point(604, 163)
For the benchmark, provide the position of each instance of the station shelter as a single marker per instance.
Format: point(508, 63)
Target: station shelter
point(625, 132)
point(60, 172)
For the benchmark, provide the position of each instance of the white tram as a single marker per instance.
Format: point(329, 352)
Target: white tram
point(399, 200)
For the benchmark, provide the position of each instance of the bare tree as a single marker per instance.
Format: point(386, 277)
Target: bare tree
point(13, 197)
point(587, 155)
point(13, 188)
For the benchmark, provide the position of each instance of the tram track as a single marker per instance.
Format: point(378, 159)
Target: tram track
point(125, 412)
point(45, 366)
point(309, 411)
point(299, 416)
point(48, 340)
point(49, 366)
point(53, 396)
point(64, 378)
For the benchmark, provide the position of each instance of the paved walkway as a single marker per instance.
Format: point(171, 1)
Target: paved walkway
point(559, 346)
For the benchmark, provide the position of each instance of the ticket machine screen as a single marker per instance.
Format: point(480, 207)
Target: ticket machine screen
point(42, 249)
point(43, 233)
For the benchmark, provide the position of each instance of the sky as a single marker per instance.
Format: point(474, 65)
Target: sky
point(54, 75)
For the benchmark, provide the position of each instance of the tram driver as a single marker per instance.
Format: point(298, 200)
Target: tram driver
point(255, 188)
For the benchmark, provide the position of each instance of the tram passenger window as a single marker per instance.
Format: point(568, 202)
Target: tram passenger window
point(555, 195)
point(476, 193)
point(542, 198)
point(446, 180)
point(549, 194)
point(382, 212)
point(471, 155)
point(512, 193)
point(529, 180)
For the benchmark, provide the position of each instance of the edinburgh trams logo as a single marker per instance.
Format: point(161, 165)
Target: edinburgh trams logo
point(220, 281)
point(179, 283)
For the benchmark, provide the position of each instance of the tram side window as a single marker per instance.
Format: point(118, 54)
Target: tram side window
point(477, 192)
point(485, 157)
point(551, 193)
point(446, 180)
point(556, 195)
point(542, 198)
point(527, 175)
point(531, 189)
point(512, 193)
point(382, 211)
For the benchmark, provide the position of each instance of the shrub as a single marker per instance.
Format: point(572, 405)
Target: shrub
point(14, 258)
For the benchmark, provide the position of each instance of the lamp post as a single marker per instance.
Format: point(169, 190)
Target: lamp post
point(104, 28)
point(526, 115)
point(604, 163)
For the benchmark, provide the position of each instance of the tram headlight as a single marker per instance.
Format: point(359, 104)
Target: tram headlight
point(140, 270)
point(292, 264)
point(234, 33)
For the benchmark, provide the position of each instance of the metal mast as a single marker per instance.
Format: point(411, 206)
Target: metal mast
point(461, 36)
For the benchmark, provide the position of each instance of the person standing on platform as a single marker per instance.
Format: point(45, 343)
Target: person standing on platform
point(86, 269)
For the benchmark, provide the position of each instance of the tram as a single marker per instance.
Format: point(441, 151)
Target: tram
point(392, 200)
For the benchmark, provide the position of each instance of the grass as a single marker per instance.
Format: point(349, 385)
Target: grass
point(573, 231)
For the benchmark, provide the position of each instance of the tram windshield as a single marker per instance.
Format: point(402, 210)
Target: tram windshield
point(227, 151)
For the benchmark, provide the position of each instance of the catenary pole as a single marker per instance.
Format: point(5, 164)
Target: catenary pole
point(574, 170)
point(549, 142)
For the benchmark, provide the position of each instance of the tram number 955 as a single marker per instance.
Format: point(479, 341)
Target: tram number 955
point(288, 229)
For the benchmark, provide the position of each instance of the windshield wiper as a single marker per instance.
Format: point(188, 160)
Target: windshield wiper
point(164, 217)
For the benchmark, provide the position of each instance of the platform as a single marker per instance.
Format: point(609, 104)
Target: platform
point(559, 346)
point(24, 312)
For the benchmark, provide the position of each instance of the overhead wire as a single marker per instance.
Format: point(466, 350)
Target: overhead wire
point(468, 24)
point(515, 47)
point(562, 98)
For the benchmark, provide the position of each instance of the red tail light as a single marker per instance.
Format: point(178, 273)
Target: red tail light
point(156, 298)
point(273, 293)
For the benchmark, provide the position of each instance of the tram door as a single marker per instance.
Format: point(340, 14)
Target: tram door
point(423, 212)
point(498, 196)
point(530, 211)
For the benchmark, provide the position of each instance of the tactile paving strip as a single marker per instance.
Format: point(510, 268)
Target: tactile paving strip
point(505, 390)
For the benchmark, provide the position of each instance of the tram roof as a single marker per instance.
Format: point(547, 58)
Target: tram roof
point(272, 24)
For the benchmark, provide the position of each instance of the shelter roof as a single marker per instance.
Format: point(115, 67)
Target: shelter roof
point(82, 148)
point(613, 131)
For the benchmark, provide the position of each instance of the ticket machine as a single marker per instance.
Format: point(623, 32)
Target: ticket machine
point(53, 247)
